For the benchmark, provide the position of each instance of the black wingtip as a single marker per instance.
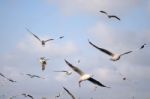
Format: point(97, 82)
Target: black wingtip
point(89, 41)
point(65, 60)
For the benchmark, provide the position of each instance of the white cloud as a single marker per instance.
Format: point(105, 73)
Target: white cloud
point(52, 48)
point(70, 7)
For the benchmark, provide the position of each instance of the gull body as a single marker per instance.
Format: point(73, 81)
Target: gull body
point(84, 76)
point(43, 62)
point(114, 56)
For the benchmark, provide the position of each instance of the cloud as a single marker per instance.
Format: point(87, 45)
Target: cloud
point(52, 48)
point(76, 6)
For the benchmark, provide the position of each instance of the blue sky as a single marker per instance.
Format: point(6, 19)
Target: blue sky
point(78, 21)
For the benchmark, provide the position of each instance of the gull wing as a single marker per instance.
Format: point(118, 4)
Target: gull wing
point(76, 69)
point(29, 74)
point(143, 46)
point(33, 34)
point(30, 96)
point(36, 76)
point(24, 94)
point(48, 40)
point(73, 97)
point(2, 75)
point(61, 71)
point(103, 12)
point(101, 49)
point(113, 16)
point(11, 80)
point(97, 82)
point(61, 37)
point(126, 53)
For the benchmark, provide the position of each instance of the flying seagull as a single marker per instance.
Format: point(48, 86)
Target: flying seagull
point(67, 72)
point(84, 76)
point(73, 97)
point(33, 76)
point(114, 56)
point(143, 46)
point(42, 41)
point(43, 62)
point(27, 95)
point(9, 79)
point(110, 16)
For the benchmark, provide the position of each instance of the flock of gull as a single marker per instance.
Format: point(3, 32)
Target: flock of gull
point(83, 76)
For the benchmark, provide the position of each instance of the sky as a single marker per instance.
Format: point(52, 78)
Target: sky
point(77, 21)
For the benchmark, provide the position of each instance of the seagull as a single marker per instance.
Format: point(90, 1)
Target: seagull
point(84, 76)
point(114, 56)
point(27, 95)
point(42, 41)
point(110, 16)
point(43, 62)
point(143, 46)
point(32, 76)
point(7, 78)
point(67, 72)
point(73, 97)
point(11, 80)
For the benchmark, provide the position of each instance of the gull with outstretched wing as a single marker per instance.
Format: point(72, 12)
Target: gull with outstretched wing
point(42, 41)
point(110, 16)
point(84, 76)
point(114, 56)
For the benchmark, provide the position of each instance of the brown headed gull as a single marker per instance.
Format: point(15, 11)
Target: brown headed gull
point(114, 56)
point(84, 76)
point(42, 41)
